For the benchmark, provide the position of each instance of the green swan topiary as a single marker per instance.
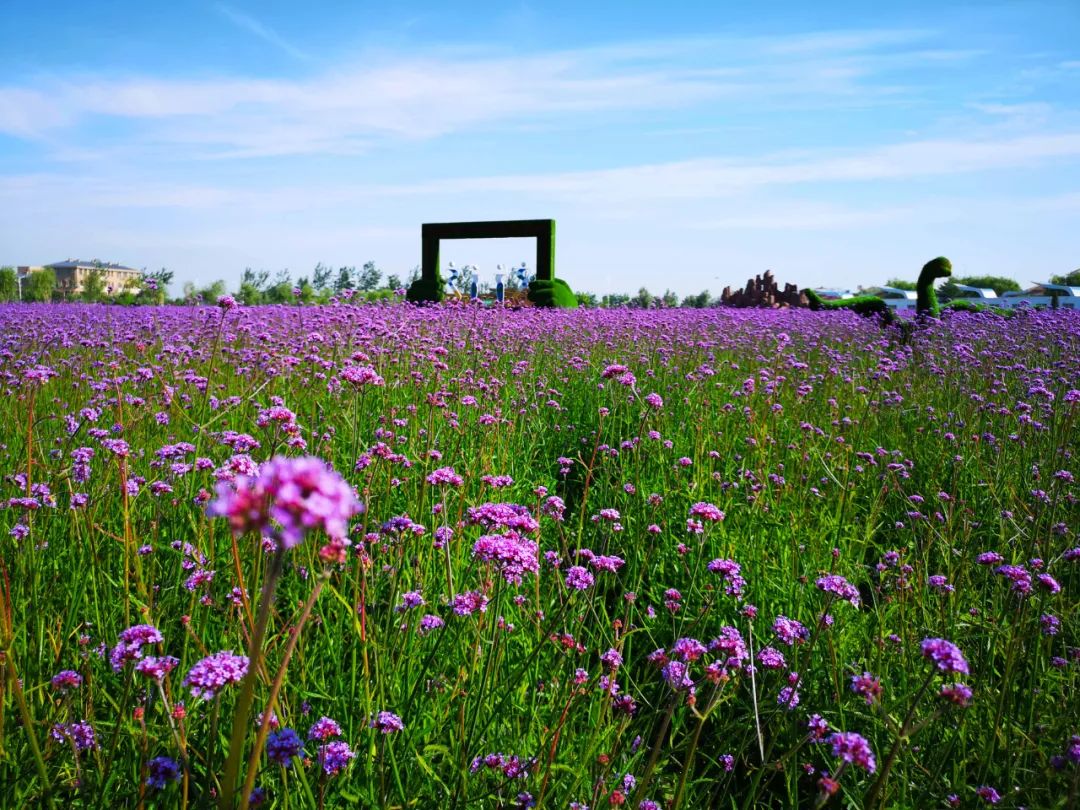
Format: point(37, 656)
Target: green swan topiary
point(866, 305)
point(552, 293)
point(926, 303)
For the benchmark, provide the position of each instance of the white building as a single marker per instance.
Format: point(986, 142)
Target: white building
point(896, 298)
point(1043, 294)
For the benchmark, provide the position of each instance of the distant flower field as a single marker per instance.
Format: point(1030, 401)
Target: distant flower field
point(392, 557)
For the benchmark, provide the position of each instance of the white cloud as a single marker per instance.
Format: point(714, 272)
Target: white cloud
point(390, 96)
point(719, 178)
point(629, 188)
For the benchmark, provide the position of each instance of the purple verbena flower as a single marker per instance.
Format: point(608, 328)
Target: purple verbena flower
point(215, 672)
point(335, 757)
point(853, 748)
point(945, 655)
point(387, 723)
point(283, 746)
point(160, 771)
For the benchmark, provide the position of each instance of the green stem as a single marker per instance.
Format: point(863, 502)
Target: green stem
point(28, 724)
point(247, 690)
point(905, 729)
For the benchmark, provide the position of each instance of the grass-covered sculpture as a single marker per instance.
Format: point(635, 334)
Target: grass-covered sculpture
point(425, 290)
point(552, 293)
point(544, 291)
point(926, 303)
point(866, 305)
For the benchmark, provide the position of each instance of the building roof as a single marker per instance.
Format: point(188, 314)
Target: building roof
point(72, 264)
point(1044, 289)
point(830, 293)
point(981, 292)
point(909, 295)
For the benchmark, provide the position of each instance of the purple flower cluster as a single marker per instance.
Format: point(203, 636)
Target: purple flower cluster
point(130, 645)
point(162, 770)
point(283, 746)
point(387, 723)
point(335, 757)
point(853, 748)
point(945, 655)
point(731, 572)
point(210, 675)
point(512, 554)
point(839, 587)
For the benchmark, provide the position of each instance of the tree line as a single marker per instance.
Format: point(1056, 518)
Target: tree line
point(368, 283)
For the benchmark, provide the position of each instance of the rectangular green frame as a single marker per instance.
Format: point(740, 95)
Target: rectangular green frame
point(543, 230)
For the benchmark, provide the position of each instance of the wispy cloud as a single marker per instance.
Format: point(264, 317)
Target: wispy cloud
point(713, 178)
point(343, 109)
point(248, 23)
point(646, 186)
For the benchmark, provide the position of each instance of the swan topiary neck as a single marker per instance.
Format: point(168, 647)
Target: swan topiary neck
point(926, 298)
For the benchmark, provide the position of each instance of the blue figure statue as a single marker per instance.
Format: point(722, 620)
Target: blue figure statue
point(522, 276)
point(452, 280)
point(500, 291)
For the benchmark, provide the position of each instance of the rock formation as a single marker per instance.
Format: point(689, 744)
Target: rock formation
point(763, 291)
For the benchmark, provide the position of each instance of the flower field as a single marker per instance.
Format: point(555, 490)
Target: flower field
point(394, 557)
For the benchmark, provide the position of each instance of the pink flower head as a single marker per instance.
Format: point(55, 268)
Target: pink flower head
point(297, 494)
point(323, 729)
point(445, 476)
point(358, 376)
point(706, 511)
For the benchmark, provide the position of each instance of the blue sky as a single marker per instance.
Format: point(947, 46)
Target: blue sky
point(679, 145)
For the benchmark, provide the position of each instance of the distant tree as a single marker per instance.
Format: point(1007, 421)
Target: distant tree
point(699, 301)
point(344, 280)
point(669, 299)
point(249, 294)
point(588, 299)
point(414, 275)
point(163, 278)
point(320, 277)
point(189, 292)
point(307, 291)
point(393, 282)
point(1071, 279)
point(369, 277)
point(643, 299)
point(280, 293)
point(39, 286)
point(93, 288)
point(252, 290)
point(614, 300)
point(998, 284)
point(9, 284)
point(901, 284)
point(258, 279)
point(152, 288)
point(213, 291)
